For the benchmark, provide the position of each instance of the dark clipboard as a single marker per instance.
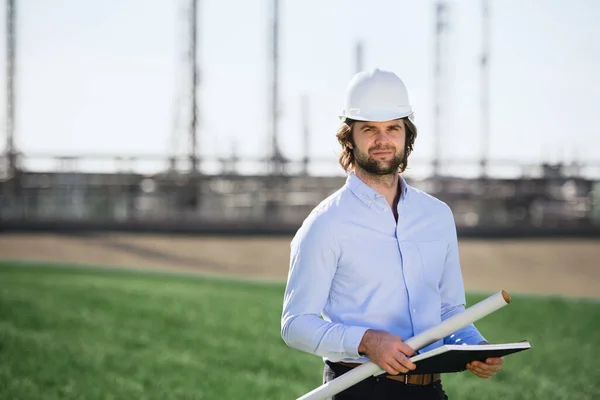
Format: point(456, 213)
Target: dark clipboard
point(455, 357)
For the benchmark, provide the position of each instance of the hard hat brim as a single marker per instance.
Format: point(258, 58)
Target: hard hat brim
point(376, 117)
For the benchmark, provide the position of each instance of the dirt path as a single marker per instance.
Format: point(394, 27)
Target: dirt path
point(561, 266)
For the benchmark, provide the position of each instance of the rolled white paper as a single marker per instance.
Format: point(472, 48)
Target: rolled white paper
point(447, 327)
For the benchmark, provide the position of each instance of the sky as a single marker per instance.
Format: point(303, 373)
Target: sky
point(105, 76)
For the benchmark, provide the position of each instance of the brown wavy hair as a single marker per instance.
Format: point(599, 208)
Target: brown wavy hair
point(344, 137)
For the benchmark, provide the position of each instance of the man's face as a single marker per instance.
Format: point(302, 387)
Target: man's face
point(379, 146)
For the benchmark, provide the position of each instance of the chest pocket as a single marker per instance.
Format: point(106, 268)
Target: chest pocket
point(433, 257)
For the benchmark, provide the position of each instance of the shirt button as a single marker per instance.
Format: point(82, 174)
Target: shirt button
point(414, 310)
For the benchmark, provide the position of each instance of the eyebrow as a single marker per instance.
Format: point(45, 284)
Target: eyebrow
point(387, 127)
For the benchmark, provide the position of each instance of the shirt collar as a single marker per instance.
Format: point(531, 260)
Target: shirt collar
point(366, 193)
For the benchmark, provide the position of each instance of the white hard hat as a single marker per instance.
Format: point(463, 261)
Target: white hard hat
point(376, 95)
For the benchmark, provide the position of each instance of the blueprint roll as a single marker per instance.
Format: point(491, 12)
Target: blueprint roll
point(417, 342)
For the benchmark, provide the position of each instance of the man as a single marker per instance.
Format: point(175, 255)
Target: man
point(378, 260)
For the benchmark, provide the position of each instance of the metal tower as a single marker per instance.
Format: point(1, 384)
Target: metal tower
point(358, 54)
point(485, 90)
point(184, 131)
point(10, 149)
point(277, 160)
point(441, 28)
point(305, 134)
point(193, 65)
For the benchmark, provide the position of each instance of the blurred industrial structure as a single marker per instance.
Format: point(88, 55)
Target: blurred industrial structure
point(201, 193)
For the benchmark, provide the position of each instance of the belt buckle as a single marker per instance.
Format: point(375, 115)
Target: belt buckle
point(406, 379)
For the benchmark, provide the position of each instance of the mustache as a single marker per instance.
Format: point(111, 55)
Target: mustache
point(382, 148)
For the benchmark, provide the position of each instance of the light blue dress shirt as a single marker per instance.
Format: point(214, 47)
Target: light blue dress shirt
point(353, 268)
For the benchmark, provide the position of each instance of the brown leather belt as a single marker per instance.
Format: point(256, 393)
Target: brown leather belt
point(413, 379)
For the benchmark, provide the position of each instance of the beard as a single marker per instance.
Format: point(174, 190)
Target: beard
point(379, 167)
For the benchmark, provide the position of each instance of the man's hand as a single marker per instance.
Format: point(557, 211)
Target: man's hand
point(486, 369)
point(387, 350)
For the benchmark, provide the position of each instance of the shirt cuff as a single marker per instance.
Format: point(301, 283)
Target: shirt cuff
point(474, 338)
point(352, 338)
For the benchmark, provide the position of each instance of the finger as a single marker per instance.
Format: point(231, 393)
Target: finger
point(480, 375)
point(478, 368)
point(483, 372)
point(396, 368)
point(406, 349)
point(405, 361)
point(390, 370)
point(487, 367)
point(495, 360)
point(387, 367)
point(479, 372)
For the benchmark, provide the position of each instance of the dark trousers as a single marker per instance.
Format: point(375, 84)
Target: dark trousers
point(382, 388)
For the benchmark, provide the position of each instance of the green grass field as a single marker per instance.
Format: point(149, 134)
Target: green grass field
point(74, 333)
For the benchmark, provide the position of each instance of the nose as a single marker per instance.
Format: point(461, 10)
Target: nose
point(381, 137)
